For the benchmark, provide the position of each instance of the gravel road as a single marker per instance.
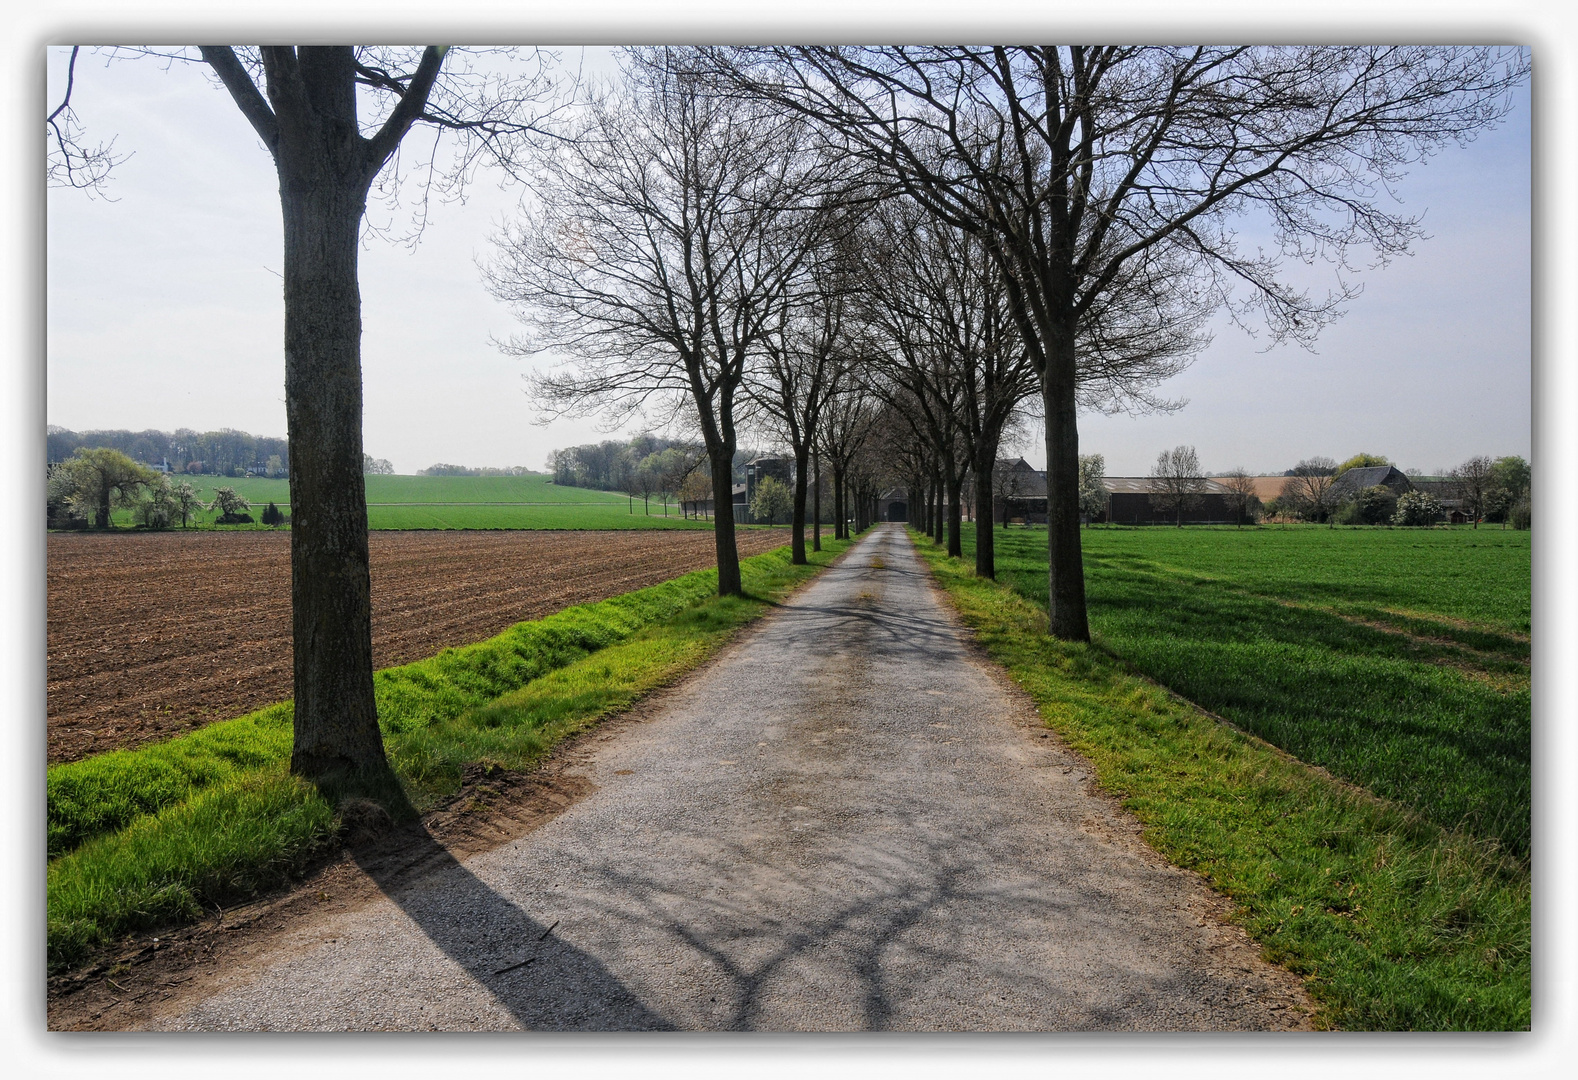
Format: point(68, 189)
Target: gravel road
point(846, 822)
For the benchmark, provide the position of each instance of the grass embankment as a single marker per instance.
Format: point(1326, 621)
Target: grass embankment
point(458, 502)
point(145, 838)
point(1398, 922)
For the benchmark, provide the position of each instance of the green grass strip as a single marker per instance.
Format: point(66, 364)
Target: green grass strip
point(240, 824)
point(1397, 923)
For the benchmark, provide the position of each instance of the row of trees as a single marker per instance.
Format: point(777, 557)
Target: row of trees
point(93, 483)
point(225, 452)
point(724, 228)
point(442, 469)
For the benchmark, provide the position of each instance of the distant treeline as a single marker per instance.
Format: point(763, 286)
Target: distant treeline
point(225, 452)
point(612, 465)
point(461, 470)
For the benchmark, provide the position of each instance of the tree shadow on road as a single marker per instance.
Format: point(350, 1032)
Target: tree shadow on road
point(515, 957)
point(903, 948)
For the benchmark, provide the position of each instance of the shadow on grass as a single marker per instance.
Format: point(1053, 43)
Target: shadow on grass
point(1442, 728)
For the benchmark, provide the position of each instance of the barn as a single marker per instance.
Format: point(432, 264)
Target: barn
point(1135, 500)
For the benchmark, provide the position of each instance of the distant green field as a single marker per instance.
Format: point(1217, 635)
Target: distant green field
point(563, 516)
point(463, 502)
point(1396, 658)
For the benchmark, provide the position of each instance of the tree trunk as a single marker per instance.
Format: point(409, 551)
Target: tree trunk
point(336, 718)
point(797, 516)
point(841, 530)
point(1065, 565)
point(938, 515)
point(985, 540)
point(722, 459)
point(955, 542)
point(816, 502)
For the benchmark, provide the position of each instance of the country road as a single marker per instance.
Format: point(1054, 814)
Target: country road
point(847, 821)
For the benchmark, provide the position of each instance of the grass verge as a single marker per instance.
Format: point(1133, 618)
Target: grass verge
point(1397, 923)
point(151, 837)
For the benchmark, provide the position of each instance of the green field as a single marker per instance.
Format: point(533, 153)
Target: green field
point(1396, 658)
point(464, 502)
point(1395, 922)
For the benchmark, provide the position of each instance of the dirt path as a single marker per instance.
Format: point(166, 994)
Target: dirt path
point(154, 634)
point(848, 821)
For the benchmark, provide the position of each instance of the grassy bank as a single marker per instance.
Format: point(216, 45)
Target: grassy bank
point(1398, 922)
point(149, 837)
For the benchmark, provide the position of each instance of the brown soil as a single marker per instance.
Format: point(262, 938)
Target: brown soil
point(154, 634)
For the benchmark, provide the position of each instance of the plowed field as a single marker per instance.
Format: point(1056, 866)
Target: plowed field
point(151, 635)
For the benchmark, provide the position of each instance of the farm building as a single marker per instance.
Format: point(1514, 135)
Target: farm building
point(1135, 500)
point(1350, 483)
point(779, 468)
point(894, 505)
point(1444, 488)
point(1019, 492)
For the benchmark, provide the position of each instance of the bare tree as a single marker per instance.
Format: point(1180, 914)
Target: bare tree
point(1076, 164)
point(1473, 482)
point(306, 106)
point(1241, 494)
point(1178, 481)
point(915, 313)
point(958, 293)
point(805, 356)
point(665, 233)
point(1310, 489)
point(847, 425)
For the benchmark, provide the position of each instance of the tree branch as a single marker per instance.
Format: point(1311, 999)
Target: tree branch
point(222, 58)
point(408, 111)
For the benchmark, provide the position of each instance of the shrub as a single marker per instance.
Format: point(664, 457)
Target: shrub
point(228, 503)
point(1417, 508)
point(153, 516)
point(272, 515)
point(1519, 514)
point(1375, 505)
point(1498, 505)
point(773, 500)
point(233, 519)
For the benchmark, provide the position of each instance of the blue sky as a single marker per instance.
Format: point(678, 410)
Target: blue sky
point(164, 311)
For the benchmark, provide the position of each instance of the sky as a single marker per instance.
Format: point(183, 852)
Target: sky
point(165, 311)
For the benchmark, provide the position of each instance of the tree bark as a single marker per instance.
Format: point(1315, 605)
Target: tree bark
point(985, 539)
point(797, 517)
point(323, 186)
point(838, 502)
point(722, 459)
point(955, 541)
point(816, 498)
point(1065, 564)
point(938, 515)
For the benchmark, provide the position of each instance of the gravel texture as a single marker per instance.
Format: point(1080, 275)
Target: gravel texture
point(849, 821)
